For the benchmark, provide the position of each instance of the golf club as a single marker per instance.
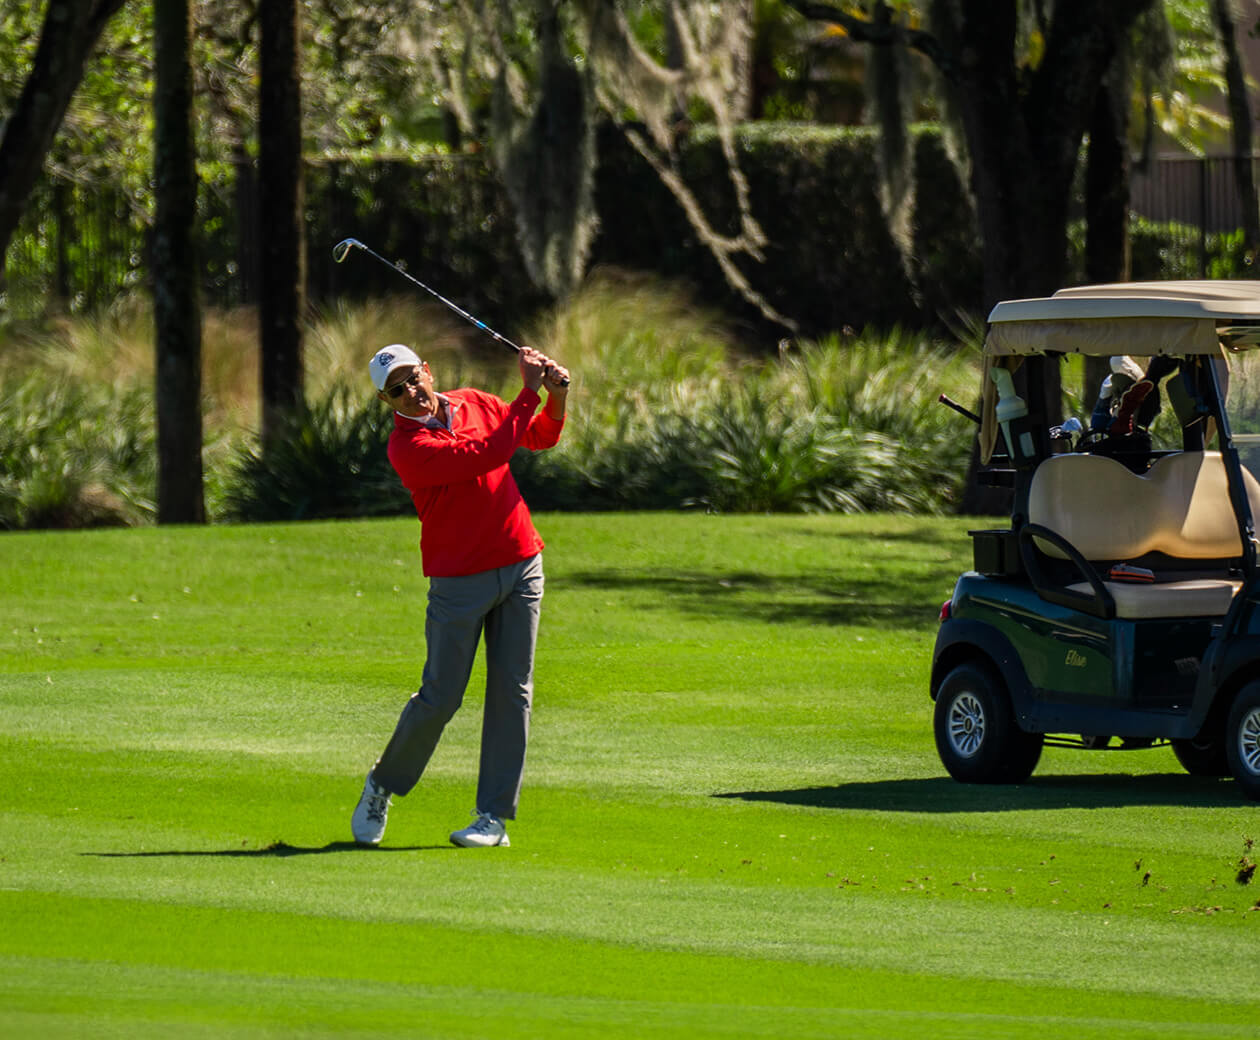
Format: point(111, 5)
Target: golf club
point(959, 409)
point(342, 249)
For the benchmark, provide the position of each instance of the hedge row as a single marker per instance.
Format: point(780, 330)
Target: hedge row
point(830, 261)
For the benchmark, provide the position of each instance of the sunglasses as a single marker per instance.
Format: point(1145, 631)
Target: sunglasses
point(396, 390)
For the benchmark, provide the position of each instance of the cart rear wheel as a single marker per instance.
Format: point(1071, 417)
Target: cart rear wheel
point(1203, 755)
point(1242, 739)
point(976, 735)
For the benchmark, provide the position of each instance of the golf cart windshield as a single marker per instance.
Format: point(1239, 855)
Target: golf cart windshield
point(1157, 331)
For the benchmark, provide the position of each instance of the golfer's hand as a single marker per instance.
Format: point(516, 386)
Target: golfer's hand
point(556, 378)
point(533, 368)
point(556, 381)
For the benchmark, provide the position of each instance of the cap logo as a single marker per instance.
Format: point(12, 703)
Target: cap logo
point(384, 359)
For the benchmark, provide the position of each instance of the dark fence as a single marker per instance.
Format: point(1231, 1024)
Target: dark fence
point(1200, 193)
point(1197, 197)
point(79, 247)
point(448, 221)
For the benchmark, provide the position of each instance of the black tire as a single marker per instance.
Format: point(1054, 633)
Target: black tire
point(976, 735)
point(1242, 740)
point(1203, 755)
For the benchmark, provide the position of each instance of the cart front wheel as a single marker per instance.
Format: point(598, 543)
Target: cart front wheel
point(1242, 740)
point(976, 735)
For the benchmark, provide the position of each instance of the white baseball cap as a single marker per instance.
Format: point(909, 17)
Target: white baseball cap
point(385, 360)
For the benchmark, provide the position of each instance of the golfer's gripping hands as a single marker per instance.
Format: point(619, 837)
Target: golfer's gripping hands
point(538, 370)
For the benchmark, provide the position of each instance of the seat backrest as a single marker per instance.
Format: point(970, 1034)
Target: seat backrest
point(1180, 507)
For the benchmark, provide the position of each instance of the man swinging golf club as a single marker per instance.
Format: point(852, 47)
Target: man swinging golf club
point(483, 558)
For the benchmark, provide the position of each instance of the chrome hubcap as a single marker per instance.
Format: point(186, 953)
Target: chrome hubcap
point(1249, 741)
point(966, 724)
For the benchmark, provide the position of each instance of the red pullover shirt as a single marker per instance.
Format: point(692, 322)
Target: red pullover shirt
point(472, 515)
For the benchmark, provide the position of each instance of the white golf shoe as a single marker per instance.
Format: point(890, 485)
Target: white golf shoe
point(368, 822)
point(484, 832)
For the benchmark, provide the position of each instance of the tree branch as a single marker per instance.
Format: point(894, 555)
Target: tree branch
point(69, 34)
point(883, 33)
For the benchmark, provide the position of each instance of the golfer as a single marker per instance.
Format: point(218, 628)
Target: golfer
point(483, 559)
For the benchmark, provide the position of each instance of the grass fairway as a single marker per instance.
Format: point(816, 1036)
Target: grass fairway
point(734, 822)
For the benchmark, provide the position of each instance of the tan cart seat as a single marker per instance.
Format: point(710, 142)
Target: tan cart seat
point(1180, 508)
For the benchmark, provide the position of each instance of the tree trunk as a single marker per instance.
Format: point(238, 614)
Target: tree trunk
point(1107, 200)
point(1107, 181)
point(63, 209)
point(176, 308)
point(1240, 120)
point(1015, 172)
point(1024, 134)
point(282, 278)
point(245, 196)
point(1023, 123)
point(70, 31)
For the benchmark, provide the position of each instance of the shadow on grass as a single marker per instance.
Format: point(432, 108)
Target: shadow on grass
point(276, 850)
point(834, 597)
point(939, 533)
point(943, 795)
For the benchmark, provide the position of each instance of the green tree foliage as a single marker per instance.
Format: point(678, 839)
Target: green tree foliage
point(357, 88)
point(105, 133)
point(418, 76)
point(1181, 75)
point(67, 36)
point(19, 35)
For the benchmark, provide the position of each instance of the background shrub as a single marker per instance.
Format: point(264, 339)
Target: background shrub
point(329, 461)
point(74, 454)
point(830, 262)
point(847, 423)
point(668, 411)
point(1166, 250)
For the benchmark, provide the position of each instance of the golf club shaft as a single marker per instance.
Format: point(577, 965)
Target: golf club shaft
point(960, 409)
point(342, 249)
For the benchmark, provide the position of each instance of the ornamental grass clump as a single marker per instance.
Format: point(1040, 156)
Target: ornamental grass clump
point(328, 460)
point(670, 414)
point(74, 455)
point(889, 386)
point(669, 410)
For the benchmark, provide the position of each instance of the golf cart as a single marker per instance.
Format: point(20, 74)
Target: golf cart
point(1121, 607)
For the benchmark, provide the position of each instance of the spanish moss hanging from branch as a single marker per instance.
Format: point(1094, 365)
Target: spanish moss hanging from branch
point(546, 158)
point(550, 68)
point(649, 102)
point(888, 69)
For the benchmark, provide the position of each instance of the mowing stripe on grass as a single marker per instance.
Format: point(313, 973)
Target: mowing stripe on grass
point(394, 977)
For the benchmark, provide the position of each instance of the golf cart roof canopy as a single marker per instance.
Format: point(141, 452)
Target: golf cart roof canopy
point(1135, 318)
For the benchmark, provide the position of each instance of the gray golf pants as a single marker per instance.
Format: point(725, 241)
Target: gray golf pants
point(505, 603)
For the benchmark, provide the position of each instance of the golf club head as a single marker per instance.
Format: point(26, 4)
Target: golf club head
point(342, 249)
